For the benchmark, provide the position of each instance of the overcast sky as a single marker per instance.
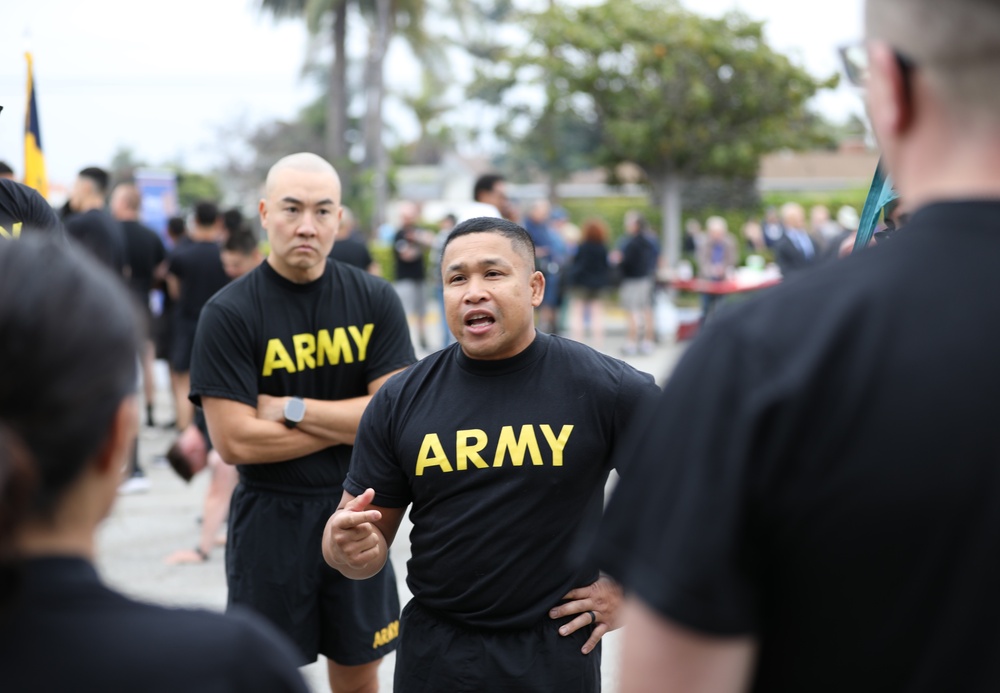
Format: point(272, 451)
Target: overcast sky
point(165, 78)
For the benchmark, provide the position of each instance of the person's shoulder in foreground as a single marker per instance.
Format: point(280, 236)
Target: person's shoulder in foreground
point(23, 208)
point(79, 620)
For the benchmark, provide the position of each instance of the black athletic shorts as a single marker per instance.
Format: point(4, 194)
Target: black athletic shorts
point(182, 344)
point(274, 564)
point(163, 335)
point(439, 655)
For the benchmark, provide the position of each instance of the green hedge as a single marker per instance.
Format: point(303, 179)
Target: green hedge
point(382, 254)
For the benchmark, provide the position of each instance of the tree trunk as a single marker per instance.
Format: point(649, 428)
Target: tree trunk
point(376, 157)
point(336, 95)
point(669, 194)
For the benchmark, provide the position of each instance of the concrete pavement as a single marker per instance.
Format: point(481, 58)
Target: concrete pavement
point(144, 528)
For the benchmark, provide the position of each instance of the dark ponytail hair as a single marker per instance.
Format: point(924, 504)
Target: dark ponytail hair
point(69, 339)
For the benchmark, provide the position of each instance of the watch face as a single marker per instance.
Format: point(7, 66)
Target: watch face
point(295, 410)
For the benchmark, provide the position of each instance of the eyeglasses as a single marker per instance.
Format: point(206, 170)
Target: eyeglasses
point(854, 57)
point(855, 63)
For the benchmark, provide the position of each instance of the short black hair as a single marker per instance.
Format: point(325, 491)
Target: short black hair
point(5, 168)
point(519, 238)
point(241, 241)
point(206, 213)
point(486, 183)
point(179, 462)
point(232, 219)
point(176, 227)
point(98, 176)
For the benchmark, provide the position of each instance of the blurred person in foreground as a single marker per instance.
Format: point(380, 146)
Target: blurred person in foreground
point(813, 504)
point(24, 209)
point(502, 443)
point(68, 421)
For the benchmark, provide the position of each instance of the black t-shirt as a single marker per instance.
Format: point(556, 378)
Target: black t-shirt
point(590, 266)
point(823, 468)
point(638, 257)
point(198, 266)
point(144, 251)
point(405, 245)
point(502, 461)
point(22, 207)
point(352, 252)
point(102, 235)
point(327, 340)
point(66, 631)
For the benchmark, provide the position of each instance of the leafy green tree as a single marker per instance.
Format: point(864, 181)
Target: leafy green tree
point(386, 19)
point(195, 187)
point(678, 94)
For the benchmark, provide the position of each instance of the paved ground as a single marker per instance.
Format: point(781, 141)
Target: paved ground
point(144, 528)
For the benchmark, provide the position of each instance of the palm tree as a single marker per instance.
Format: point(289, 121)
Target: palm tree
point(337, 95)
point(386, 19)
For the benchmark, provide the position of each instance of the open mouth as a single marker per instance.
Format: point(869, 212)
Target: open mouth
point(479, 320)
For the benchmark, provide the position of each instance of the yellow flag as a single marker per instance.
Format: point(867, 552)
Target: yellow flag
point(34, 159)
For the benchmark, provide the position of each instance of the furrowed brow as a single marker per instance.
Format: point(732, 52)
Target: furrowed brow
point(484, 263)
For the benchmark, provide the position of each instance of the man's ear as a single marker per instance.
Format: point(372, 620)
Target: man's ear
point(117, 445)
point(537, 288)
point(262, 210)
point(889, 95)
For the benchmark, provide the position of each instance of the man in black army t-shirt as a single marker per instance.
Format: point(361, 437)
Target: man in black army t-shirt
point(91, 225)
point(814, 505)
point(502, 443)
point(194, 274)
point(286, 358)
point(23, 209)
point(145, 253)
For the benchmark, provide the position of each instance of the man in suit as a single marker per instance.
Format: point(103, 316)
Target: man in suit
point(795, 250)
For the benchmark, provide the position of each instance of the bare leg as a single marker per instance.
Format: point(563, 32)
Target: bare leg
point(597, 322)
point(148, 382)
point(356, 679)
point(421, 335)
point(576, 319)
point(632, 338)
point(220, 492)
point(185, 410)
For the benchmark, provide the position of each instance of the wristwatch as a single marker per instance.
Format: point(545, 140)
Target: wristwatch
point(295, 411)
